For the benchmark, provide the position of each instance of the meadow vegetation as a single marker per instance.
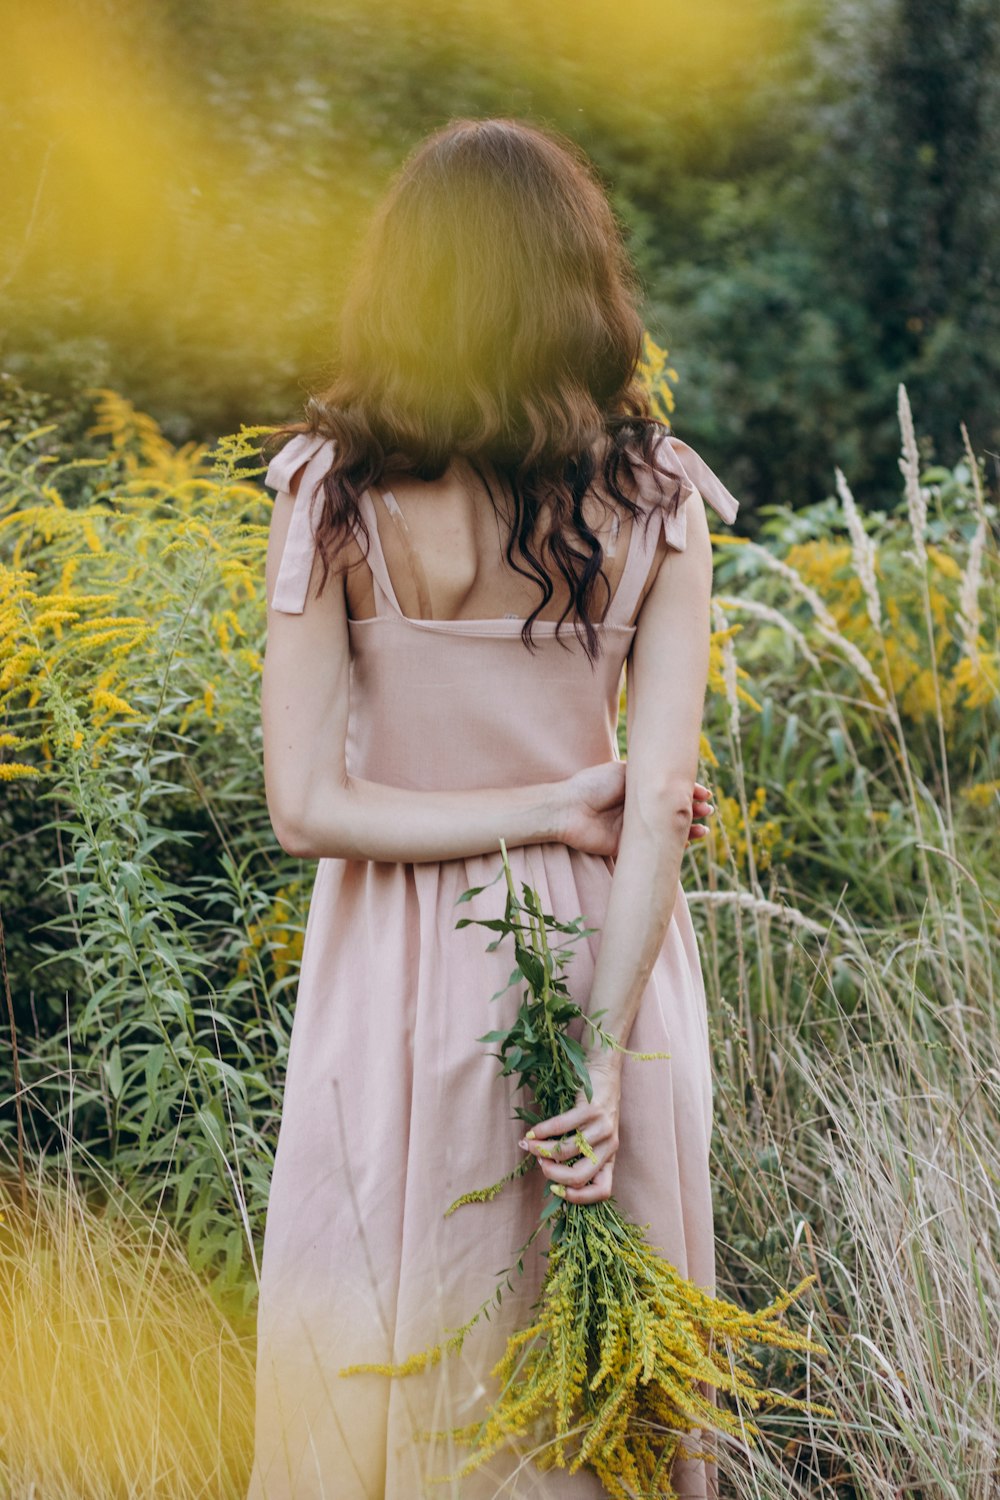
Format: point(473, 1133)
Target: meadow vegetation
point(846, 903)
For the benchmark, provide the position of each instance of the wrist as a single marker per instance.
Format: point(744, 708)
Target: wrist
point(557, 805)
point(605, 1060)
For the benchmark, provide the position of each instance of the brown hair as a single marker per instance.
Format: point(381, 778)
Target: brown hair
point(493, 316)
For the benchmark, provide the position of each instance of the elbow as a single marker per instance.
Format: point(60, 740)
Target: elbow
point(292, 836)
point(315, 827)
point(668, 805)
point(290, 824)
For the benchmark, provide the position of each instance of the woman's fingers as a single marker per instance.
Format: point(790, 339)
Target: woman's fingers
point(702, 807)
point(582, 1171)
point(570, 1120)
point(565, 1148)
point(573, 1148)
point(594, 1191)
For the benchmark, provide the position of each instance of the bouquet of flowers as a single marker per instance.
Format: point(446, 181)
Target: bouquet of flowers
point(612, 1370)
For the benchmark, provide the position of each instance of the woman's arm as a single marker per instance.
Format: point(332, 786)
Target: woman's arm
point(319, 811)
point(667, 680)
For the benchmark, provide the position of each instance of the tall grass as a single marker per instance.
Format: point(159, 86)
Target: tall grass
point(847, 906)
point(119, 1374)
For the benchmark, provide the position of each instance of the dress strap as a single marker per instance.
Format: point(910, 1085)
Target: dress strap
point(634, 573)
point(385, 595)
point(416, 567)
point(315, 452)
point(678, 472)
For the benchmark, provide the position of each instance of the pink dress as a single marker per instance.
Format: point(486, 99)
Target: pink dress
point(392, 1109)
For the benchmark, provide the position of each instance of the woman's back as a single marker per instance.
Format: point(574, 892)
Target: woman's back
point(445, 544)
point(444, 692)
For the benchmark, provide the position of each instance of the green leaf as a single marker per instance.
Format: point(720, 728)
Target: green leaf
point(477, 890)
point(532, 970)
point(113, 1072)
point(154, 1066)
point(572, 1046)
point(514, 978)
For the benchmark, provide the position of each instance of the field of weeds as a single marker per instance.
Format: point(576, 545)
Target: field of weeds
point(846, 901)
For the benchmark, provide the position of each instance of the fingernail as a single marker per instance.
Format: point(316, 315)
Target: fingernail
point(529, 1135)
point(524, 1145)
point(558, 1189)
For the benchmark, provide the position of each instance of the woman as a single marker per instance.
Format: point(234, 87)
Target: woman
point(478, 525)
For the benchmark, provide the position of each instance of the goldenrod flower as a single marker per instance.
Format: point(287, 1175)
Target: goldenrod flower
point(623, 1352)
point(13, 770)
point(105, 702)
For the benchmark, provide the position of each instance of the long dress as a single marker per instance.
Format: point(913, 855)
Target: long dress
point(392, 1108)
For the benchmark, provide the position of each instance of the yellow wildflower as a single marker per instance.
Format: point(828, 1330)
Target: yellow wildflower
point(106, 702)
point(90, 535)
point(982, 793)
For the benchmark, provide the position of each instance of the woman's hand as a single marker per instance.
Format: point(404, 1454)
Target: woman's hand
point(595, 801)
point(554, 1142)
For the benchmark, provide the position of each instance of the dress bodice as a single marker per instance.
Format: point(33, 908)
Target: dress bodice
point(438, 703)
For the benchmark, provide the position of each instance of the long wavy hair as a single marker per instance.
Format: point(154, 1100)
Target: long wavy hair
point(493, 316)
